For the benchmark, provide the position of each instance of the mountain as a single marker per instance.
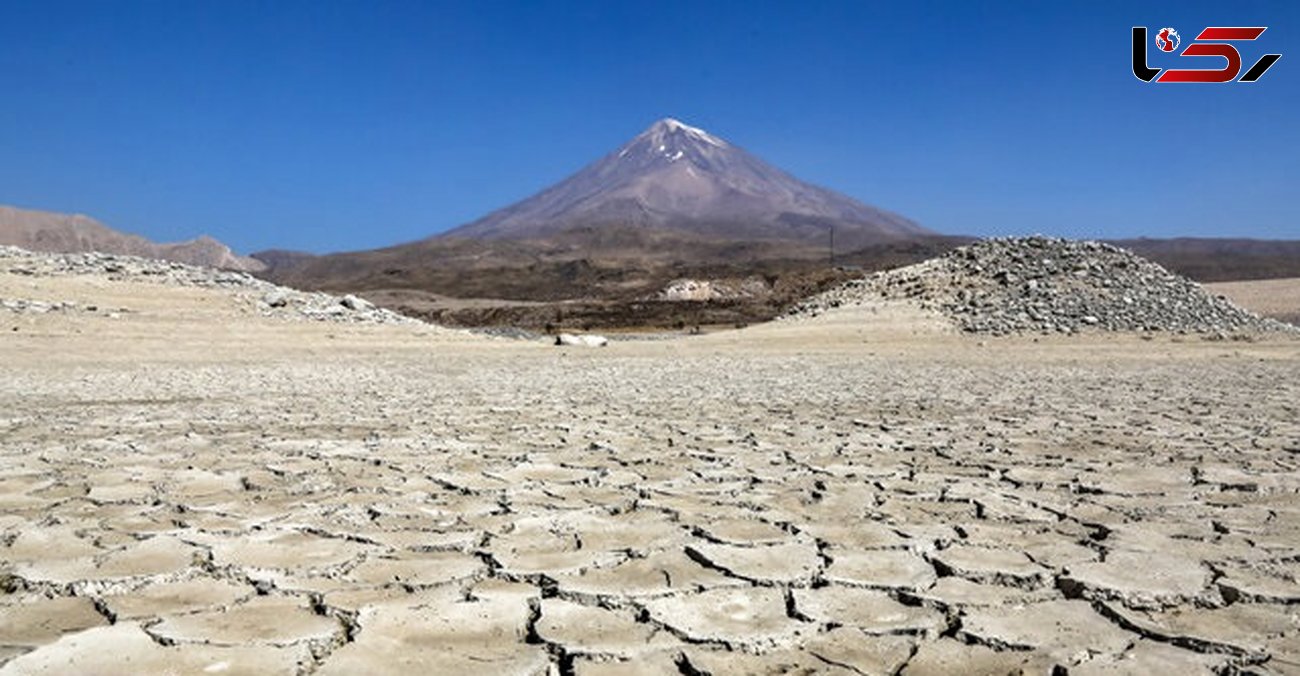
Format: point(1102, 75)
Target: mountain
point(48, 231)
point(672, 199)
point(280, 258)
point(677, 177)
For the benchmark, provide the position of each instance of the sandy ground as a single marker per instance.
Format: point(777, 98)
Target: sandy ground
point(190, 488)
point(1277, 298)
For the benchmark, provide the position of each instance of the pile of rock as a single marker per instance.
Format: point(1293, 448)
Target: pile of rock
point(714, 289)
point(39, 307)
point(266, 298)
point(1048, 285)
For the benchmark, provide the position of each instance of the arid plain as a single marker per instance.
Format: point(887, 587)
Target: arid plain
point(188, 486)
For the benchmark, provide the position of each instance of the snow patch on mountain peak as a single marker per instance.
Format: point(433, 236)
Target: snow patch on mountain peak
point(671, 125)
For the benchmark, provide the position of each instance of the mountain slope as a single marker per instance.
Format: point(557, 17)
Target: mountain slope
point(682, 178)
point(64, 233)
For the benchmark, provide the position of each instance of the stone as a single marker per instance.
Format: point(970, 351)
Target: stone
point(356, 304)
point(581, 340)
point(275, 298)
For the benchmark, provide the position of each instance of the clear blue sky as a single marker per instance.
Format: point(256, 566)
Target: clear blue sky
point(341, 125)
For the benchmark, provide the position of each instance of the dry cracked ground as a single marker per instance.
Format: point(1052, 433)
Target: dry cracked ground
point(186, 487)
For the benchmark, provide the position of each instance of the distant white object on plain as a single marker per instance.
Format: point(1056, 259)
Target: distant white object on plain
point(581, 340)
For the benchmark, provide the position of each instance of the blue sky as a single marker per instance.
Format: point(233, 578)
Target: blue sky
point(341, 125)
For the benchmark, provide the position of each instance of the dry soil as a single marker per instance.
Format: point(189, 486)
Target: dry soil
point(188, 487)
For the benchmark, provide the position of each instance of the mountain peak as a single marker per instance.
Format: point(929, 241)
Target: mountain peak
point(670, 127)
point(681, 178)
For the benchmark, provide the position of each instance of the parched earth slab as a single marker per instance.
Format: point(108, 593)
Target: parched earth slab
point(193, 483)
point(556, 562)
point(737, 616)
point(157, 555)
point(1138, 481)
point(454, 636)
point(1151, 657)
point(945, 657)
point(586, 630)
point(748, 532)
point(983, 564)
point(124, 649)
point(652, 664)
point(1284, 653)
point(636, 531)
point(263, 620)
point(127, 491)
point(660, 573)
point(356, 599)
point(545, 473)
point(871, 611)
point(1065, 629)
point(1241, 628)
point(417, 569)
point(956, 592)
point(1139, 579)
point(882, 569)
point(1259, 587)
point(794, 562)
point(169, 598)
point(703, 660)
point(538, 545)
point(37, 621)
point(860, 652)
point(287, 551)
point(49, 544)
point(419, 540)
point(855, 534)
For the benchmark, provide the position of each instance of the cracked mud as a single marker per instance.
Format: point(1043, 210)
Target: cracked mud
point(819, 497)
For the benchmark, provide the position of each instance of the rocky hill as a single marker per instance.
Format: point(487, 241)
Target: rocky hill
point(75, 233)
point(268, 299)
point(1046, 285)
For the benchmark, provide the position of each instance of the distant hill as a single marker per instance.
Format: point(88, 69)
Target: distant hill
point(281, 258)
point(64, 233)
point(1221, 260)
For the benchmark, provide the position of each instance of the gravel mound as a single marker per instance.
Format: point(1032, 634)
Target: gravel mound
point(1048, 285)
point(268, 299)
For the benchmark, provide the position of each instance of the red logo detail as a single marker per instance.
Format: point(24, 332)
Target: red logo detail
point(1167, 39)
point(1212, 41)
